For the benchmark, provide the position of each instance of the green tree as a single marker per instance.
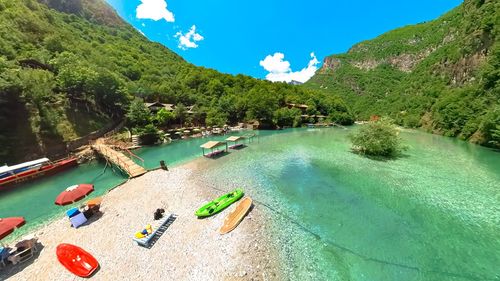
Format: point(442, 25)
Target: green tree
point(180, 113)
point(216, 118)
point(261, 105)
point(108, 91)
point(495, 135)
point(37, 91)
point(198, 115)
point(287, 117)
point(54, 44)
point(138, 114)
point(379, 138)
point(75, 80)
point(215, 88)
point(149, 133)
point(164, 117)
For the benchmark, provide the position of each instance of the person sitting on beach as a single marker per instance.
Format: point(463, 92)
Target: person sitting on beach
point(145, 232)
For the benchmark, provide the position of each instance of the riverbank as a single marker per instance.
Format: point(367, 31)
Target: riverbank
point(191, 249)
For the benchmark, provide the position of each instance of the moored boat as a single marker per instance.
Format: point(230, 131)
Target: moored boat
point(33, 169)
point(6, 171)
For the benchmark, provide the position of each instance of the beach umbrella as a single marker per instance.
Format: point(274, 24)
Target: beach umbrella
point(74, 193)
point(8, 225)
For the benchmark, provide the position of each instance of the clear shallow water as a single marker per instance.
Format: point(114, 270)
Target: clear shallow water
point(35, 200)
point(175, 153)
point(430, 215)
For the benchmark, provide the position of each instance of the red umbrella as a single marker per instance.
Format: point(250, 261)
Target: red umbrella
point(73, 194)
point(8, 225)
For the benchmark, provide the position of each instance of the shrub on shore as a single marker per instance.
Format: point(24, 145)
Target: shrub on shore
point(148, 134)
point(379, 138)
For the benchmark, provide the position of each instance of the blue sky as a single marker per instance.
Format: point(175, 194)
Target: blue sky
point(277, 40)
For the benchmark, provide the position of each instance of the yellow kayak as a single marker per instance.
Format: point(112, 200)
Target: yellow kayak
point(233, 219)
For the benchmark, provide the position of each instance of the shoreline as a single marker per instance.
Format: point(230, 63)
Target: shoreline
point(190, 249)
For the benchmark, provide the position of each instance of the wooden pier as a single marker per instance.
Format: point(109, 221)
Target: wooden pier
point(119, 159)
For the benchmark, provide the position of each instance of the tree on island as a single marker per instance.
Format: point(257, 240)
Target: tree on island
point(378, 138)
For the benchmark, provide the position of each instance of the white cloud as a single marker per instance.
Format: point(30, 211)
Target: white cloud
point(189, 39)
point(155, 10)
point(275, 63)
point(279, 69)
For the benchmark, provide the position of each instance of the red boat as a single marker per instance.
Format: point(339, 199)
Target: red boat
point(33, 169)
point(76, 260)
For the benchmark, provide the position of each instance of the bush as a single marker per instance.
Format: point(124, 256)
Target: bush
point(148, 134)
point(379, 138)
point(342, 118)
point(287, 117)
point(495, 133)
point(216, 118)
point(164, 117)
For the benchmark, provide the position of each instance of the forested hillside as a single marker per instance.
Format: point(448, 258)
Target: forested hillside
point(68, 67)
point(441, 75)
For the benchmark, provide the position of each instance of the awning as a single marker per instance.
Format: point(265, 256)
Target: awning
point(212, 144)
point(5, 169)
point(234, 138)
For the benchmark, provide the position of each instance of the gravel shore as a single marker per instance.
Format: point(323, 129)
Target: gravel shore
point(191, 248)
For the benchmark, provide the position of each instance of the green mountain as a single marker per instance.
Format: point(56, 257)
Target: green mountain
point(69, 67)
point(441, 75)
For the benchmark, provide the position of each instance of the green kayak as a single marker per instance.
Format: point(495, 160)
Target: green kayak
point(220, 203)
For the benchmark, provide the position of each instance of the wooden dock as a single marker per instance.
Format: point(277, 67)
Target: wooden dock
point(119, 159)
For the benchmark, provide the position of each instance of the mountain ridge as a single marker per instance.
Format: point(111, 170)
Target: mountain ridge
point(441, 75)
point(69, 67)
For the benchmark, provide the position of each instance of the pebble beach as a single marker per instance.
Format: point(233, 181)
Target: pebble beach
point(191, 248)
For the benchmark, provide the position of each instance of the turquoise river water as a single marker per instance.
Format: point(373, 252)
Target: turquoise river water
point(433, 214)
point(35, 200)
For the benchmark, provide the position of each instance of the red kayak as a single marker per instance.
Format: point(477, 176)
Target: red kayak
point(76, 260)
